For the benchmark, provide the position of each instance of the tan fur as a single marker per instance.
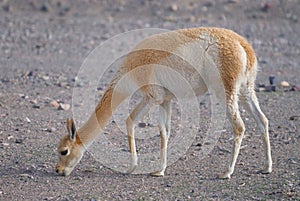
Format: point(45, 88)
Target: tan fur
point(236, 63)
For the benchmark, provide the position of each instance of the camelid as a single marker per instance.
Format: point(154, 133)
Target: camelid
point(185, 51)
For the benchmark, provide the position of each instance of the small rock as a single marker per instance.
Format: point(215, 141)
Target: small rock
point(284, 84)
point(33, 101)
point(142, 125)
point(88, 170)
point(266, 7)
point(54, 103)
point(63, 106)
point(199, 144)
point(28, 74)
point(10, 137)
point(292, 161)
point(26, 175)
point(295, 88)
point(209, 4)
point(233, 1)
point(37, 106)
point(151, 125)
point(27, 119)
point(242, 184)
point(44, 8)
point(50, 130)
point(6, 8)
point(270, 88)
point(45, 77)
point(23, 96)
point(19, 141)
point(261, 89)
point(49, 198)
point(271, 79)
point(174, 7)
point(294, 118)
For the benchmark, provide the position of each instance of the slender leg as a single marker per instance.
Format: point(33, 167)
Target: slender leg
point(139, 111)
point(252, 106)
point(238, 129)
point(164, 126)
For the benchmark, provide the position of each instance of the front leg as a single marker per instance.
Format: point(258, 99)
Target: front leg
point(163, 153)
point(139, 111)
point(164, 124)
point(133, 155)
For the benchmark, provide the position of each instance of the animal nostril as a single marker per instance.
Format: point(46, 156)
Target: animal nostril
point(56, 170)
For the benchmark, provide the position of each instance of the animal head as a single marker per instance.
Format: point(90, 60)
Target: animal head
point(70, 150)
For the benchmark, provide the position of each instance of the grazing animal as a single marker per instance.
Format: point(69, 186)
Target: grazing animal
point(192, 53)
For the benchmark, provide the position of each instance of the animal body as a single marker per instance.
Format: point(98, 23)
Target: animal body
point(205, 57)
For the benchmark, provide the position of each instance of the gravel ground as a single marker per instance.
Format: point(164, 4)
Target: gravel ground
point(43, 44)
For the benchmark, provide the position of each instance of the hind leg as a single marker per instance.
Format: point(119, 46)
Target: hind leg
point(238, 129)
point(252, 106)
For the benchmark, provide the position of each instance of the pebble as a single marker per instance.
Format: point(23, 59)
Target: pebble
point(266, 7)
point(284, 84)
point(23, 96)
point(19, 141)
point(295, 88)
point(44, 8)
point(142, 125)
point(45, 77)
point(50, 130)
point(233, 1)
point(271, 79)
point(270, 88)
point(54, 103)
point(26, 175)
point(33, 101)
point(28, 74)
point(174, 7)
point(37, 106)
point(27, 119)
point(10, 137)
point(63, 106)
point(294, 118)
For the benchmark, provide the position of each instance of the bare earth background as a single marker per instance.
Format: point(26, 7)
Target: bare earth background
point(43, 44)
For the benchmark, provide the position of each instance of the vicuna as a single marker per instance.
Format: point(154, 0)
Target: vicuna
point(192, 53)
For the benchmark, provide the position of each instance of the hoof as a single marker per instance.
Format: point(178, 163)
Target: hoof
point(224, 176)
point(158, 174)
point(266, 170)
point(131, 169)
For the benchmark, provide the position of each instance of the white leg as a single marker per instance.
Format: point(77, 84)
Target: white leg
point(238, 129)
point(164, 126)
point(252, 106)
point(139, 111)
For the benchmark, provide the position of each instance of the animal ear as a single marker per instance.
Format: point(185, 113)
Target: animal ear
point(71, 128)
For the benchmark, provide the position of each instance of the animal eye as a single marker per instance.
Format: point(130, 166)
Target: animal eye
point(63, 153)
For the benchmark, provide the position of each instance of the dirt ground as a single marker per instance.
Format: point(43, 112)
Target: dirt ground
point(43, 44)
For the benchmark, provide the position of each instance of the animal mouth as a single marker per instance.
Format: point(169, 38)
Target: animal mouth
point(61, 173)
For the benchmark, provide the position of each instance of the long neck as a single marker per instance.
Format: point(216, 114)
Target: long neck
point(99, 118)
